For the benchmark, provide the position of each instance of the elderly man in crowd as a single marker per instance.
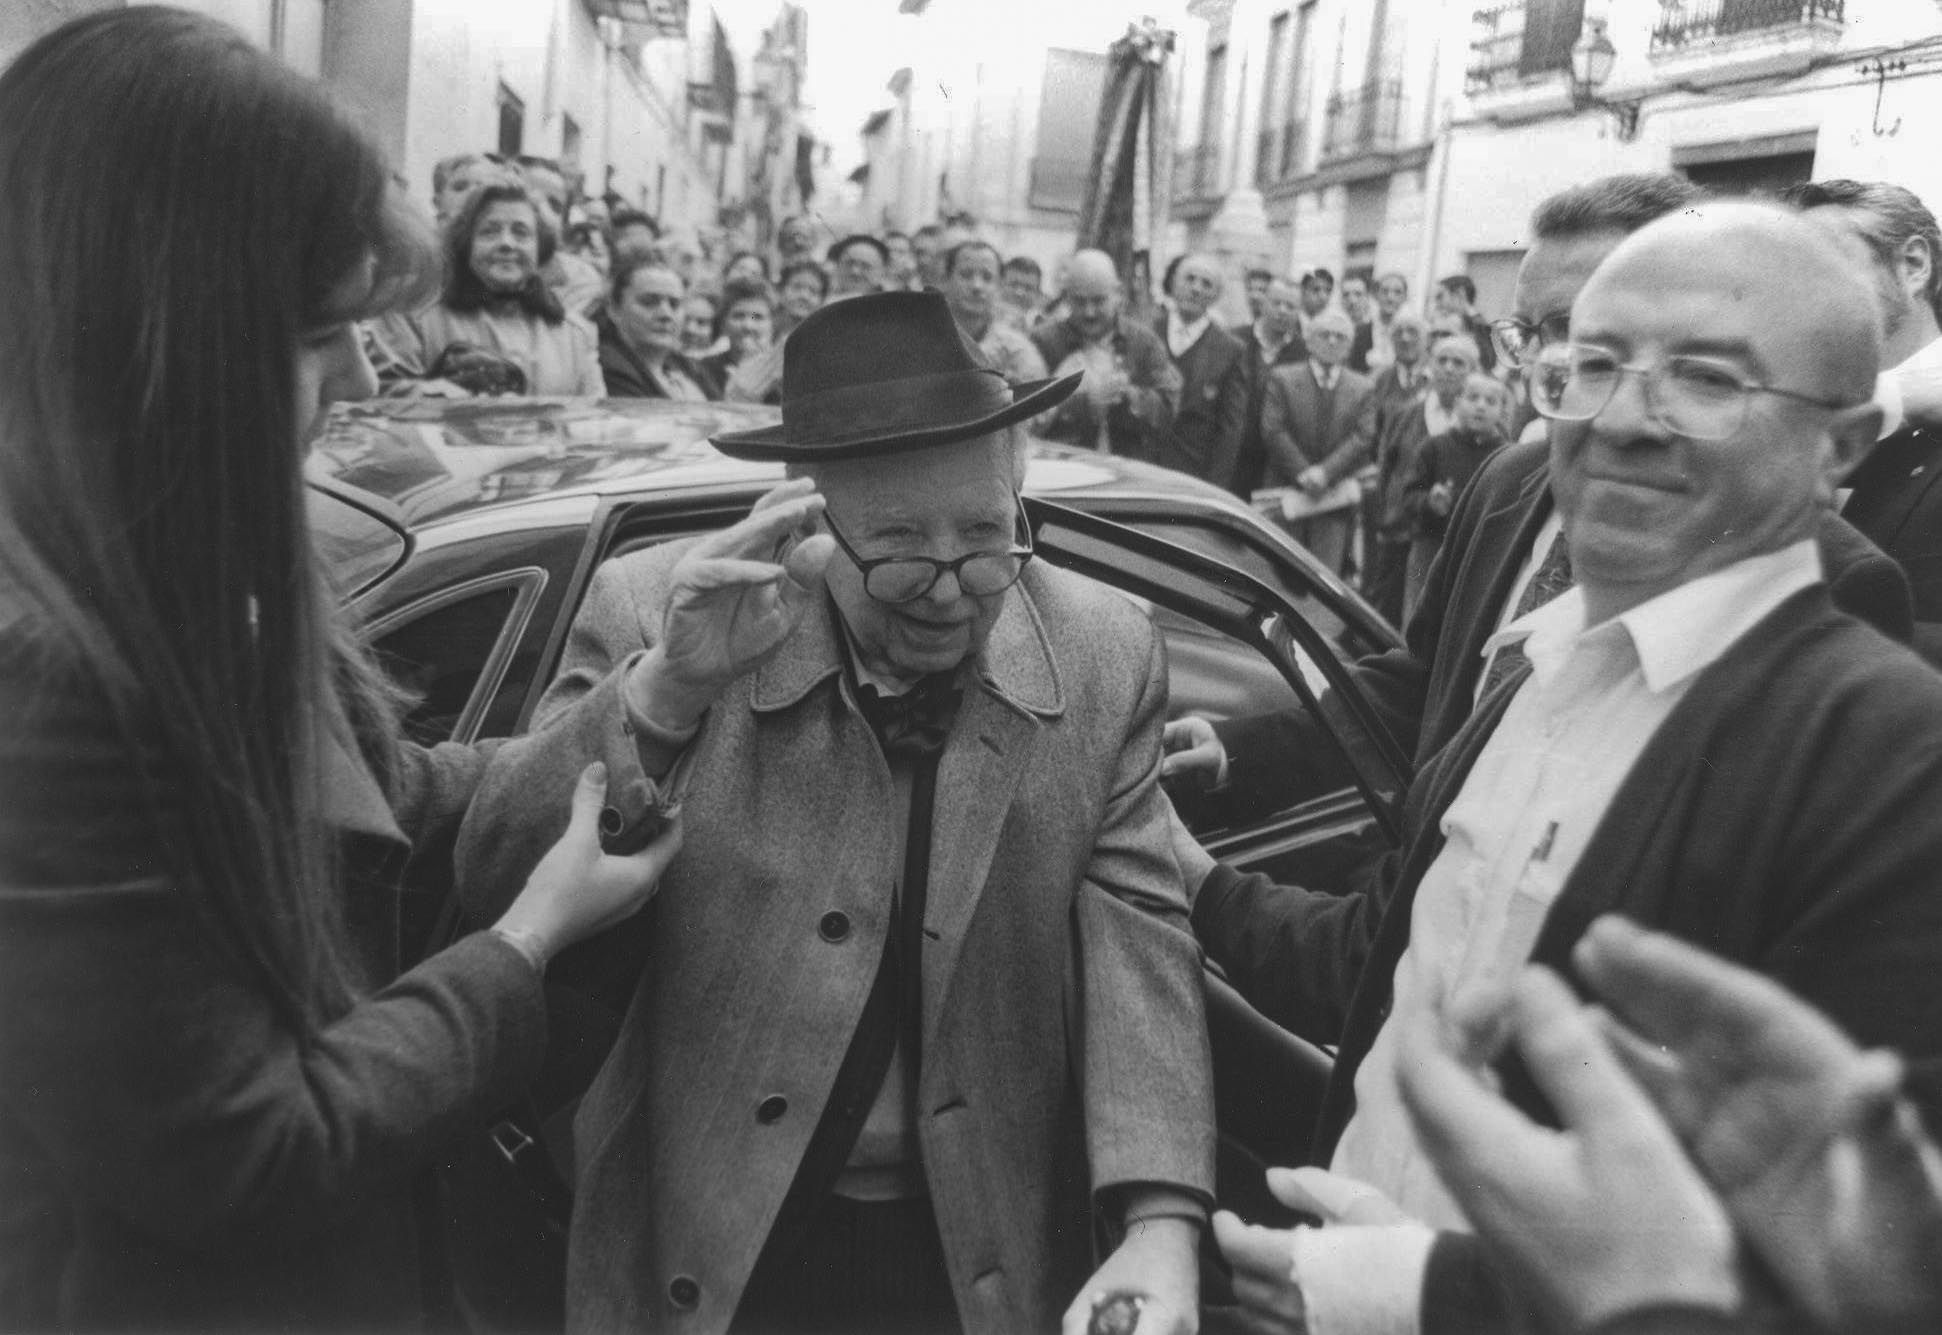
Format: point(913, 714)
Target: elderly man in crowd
point(1131, 389)
point(1310, 428)
point(971, 288)
point(1695, 735)
point(1397, 416)
point(1893, 496)
point(1206, 436)
point(1273, 340)
point(916, 1010)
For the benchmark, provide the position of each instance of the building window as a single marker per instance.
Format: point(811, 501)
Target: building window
point(1068, 114)
point(1274, 94)
point(512, 123)
point(1522, 39)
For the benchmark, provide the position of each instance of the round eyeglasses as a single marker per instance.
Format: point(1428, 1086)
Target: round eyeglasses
point(905, 579)
point(1695, 397)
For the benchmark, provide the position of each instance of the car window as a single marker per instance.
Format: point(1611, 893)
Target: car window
point(449, 652)
point(359, 545)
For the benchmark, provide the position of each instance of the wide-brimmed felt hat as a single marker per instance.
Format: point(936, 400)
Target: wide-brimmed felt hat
point(884, 373)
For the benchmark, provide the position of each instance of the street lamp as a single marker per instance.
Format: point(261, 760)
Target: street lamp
point(1591, 64)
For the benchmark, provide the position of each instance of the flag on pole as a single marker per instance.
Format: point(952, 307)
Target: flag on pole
point(1129, 189)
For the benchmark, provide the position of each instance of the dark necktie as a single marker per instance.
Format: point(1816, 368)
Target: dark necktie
point(1549, 580)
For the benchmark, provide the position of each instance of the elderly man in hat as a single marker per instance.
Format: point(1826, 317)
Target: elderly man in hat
point(915, 1020)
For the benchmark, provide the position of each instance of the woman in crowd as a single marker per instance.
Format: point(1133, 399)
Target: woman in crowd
point(805, 287)
point(699, 319)
point(222, 1094)
point(746, 266)
point(641, 336)
point(587, 237)
point(750, 368)
point(496, 307)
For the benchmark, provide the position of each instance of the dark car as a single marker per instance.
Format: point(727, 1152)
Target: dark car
point(465, 533)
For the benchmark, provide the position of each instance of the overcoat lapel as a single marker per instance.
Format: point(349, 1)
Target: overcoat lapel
point(1017, 692)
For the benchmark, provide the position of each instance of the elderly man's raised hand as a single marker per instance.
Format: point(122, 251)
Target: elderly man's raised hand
point(1602, 1218)
point(738, 594)
point(1824, 1170)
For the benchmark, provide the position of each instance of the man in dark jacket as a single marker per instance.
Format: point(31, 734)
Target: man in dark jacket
point(1206, 439)
point(1272, 340)
point(1893, 496)
point(1693, 735)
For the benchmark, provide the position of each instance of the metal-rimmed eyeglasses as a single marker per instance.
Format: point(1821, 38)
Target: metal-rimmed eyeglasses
point(905, 579)
point(1696, 397)
point(1519, 341)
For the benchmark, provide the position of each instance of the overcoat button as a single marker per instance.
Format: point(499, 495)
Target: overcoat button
point(684, 1293)
point(834, 927)
point(771, 1109)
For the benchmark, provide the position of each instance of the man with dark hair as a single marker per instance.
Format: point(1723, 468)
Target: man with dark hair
point(795, 239)
point(1694, 734)
point(634, 234)
point(901, 274)
point(1023, 279)
point(1255, 284)
point(1206, 436)
point(1456, 296)
point(1893, 496)
point(927, 250)
point(857, 264)
point(971, 287)
point(1317, 290)
point(1361, 311)
point(580, 287)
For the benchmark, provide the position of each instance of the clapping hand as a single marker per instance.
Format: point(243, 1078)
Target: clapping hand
point(737, 595)
point(1822, 1168)
point(1604, 1217)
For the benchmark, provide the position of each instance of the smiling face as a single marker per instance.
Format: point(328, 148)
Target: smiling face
point(859, 269)
point(941, 503)
point(801, 295)
point(1646, 509)
point(649, 310)
point(505, 245)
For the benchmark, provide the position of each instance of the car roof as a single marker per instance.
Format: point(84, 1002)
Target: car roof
point(438, 460)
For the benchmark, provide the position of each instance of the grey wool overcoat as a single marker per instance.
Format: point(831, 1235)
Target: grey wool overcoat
point(1064, 1039)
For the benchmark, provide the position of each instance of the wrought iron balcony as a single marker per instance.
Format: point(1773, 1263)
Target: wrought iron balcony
point(1196, 172)
point(1685, 22)
point(1279, 152)
point(1515, 41)
point(1363, 120)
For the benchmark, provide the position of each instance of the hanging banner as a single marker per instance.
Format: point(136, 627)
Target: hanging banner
point(1129, 189)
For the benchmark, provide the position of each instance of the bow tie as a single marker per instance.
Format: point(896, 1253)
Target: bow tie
point(916, 723)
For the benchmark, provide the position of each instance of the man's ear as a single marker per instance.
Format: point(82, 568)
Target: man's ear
point(1851, 434)
point(1917, 264)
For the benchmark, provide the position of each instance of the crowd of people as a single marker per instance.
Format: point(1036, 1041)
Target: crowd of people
point(853, 819)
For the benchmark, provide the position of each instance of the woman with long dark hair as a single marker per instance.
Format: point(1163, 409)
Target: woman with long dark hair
point(496, 304)
point(218, 1090)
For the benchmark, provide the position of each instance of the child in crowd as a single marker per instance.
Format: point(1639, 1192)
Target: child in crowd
point(1444, 467)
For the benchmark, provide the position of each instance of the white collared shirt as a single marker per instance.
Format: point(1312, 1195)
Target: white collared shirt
point(1325, 376)
point(1181, 337)
point(1436, 418)
point(1888, 389)
point(1539, 788)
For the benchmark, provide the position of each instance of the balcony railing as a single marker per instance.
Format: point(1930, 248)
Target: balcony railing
point(1516, 40)
point(1196, 171)
point(1363, 120)
point(1684, 22)
point(1279, 152)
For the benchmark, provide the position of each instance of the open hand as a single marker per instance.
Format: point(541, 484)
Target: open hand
point(1795, 1126)
point(737, 595)
point(1604, 1217)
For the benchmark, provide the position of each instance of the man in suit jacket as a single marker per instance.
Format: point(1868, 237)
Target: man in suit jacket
point(1206, 438)
point(1272, 340)
point(916, 1013)
point(1694, 735)
point(1893, 496)
point(1310, 417)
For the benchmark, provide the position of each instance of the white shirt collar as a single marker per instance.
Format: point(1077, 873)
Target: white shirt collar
point(1678, 633)
point(1181, 337)
point(1888, 389)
